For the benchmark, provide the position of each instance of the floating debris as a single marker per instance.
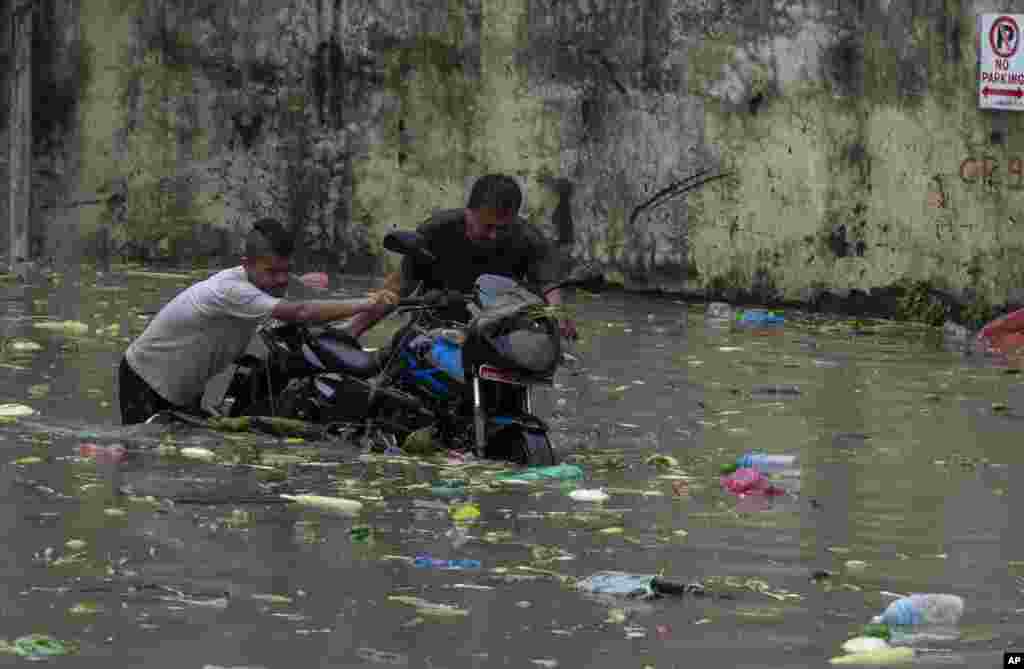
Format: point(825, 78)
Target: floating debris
point(197, 453)
point(464, 512)
point(589, 495)
point(67, 327)
point(23, 346)
point(423, 607)
point(881, 657)
point(15, 410)
point(661, 460)
point(323, 503)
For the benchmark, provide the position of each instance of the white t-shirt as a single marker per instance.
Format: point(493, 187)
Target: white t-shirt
point(199, 334)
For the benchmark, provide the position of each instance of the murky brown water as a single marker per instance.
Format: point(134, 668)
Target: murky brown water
point(905, 466)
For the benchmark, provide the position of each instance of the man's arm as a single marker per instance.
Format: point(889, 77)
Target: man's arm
point(365, 320)
point(324, 311)
point(402, 283)
point(545, 268)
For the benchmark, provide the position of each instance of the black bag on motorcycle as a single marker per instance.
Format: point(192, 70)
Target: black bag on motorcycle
point(514, 330)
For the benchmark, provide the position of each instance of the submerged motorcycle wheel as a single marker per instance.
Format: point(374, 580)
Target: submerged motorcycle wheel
point(528, 448)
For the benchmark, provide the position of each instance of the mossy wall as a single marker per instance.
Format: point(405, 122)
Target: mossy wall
point(857, 152)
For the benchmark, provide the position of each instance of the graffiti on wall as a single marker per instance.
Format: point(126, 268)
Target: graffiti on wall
point(990, 171)
point(986, 173)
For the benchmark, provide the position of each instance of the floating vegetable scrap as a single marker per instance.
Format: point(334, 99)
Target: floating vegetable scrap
point(14, 410)
point(880, 657)
point(197, 453)
point(464, 512)
point(423, 607)
point(589, 495)
point(323, 503)
point(660, 460)
point(864, 644)
point(23, 346)
point(37, 647)
point(67, 327)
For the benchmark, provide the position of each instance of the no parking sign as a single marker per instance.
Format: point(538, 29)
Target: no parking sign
point(1001, 61)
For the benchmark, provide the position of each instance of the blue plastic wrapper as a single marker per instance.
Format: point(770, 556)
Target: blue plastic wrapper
point(761, 317)
point(618, 583)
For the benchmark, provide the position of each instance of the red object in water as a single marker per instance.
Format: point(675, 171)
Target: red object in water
point(1005, 334)
point(663, 631)
point(111, 454)
point(1011, 342)
point(749, 481)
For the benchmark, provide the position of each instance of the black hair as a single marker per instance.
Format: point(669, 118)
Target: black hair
point(268, 237)
point(498, 191)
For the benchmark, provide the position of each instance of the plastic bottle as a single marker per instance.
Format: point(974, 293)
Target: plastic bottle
point(923, 609)
point(767, 463)
point(424, 561)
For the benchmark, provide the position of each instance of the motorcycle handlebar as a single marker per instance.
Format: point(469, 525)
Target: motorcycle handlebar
point(436, 299)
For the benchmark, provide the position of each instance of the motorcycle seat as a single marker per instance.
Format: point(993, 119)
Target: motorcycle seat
point(340, 352)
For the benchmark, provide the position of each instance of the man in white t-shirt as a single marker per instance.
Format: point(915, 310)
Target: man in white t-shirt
point(206, 327)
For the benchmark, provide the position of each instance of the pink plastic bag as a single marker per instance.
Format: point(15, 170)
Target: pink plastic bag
point(749, 481)
point(106, 454)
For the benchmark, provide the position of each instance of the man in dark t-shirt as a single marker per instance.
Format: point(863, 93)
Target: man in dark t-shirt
point(487, 237)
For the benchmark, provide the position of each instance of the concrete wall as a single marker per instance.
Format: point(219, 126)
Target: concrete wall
point(857, 153)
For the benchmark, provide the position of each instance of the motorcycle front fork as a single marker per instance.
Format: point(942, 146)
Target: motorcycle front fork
point(480, 414)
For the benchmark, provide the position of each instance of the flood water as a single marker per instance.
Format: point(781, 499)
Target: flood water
point(908, 451)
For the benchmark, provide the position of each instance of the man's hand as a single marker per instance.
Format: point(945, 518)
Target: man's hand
point(383, 298)
point(317, 280)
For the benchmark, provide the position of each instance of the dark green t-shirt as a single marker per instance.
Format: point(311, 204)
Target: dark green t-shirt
point(521, 253)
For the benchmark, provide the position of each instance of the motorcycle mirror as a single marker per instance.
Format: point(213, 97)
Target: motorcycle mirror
point(408, 243)
point(587, 276)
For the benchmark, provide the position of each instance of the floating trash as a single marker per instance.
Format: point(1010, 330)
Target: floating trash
point(719, 310)
point(106, 454)
point(864, 644)
point(881, 657)
point(465, 512)
point(85, 609)
point(660, 460)
point(747, 481)
point(382, 657)
point(449, 488)
point(423, 607)
point(323, 503)
point(23, 346)
point(425, 561)
point(39, 646)
point(618, 583)
point(760, 318)
point(589, 495)
point(558, 472)
point(15, 410)
point(776, 389)
point(197, 453)
point(272, 599)
point(67, 327)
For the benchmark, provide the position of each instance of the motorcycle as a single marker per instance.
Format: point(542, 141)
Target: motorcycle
point(470, 383)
